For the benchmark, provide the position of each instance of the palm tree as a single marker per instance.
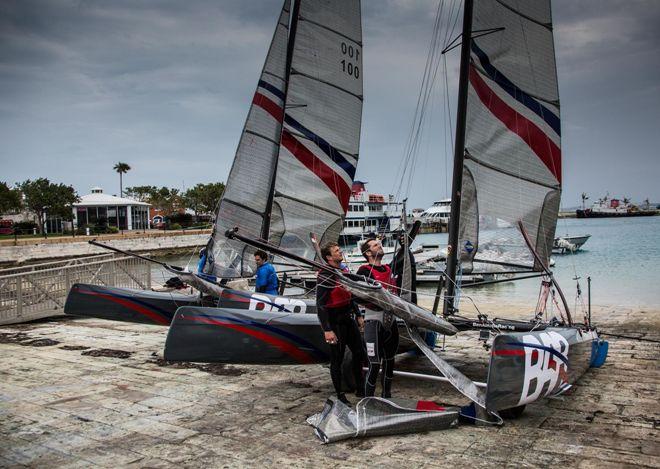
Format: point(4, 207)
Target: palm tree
point(121, 168)
point(584, 199)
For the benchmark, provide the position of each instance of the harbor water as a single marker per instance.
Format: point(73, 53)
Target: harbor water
point(622, 257)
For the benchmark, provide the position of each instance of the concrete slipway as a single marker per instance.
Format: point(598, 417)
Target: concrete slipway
point(85, 392)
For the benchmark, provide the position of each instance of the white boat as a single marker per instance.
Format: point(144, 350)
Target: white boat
point(564, 244)
point(369, 213)
point(437, 213)
point(610, 207)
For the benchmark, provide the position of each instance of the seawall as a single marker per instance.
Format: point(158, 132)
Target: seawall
point(39, 249)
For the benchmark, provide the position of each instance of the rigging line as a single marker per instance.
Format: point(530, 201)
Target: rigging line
point(428, 91)
point(411, 160)
point(455, 23)
point(405, 162)
point(423, 89)
point(448, 18)
point(448, 126)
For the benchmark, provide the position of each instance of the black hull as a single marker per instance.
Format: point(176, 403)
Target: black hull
point(150, 307)
point(590, 214)
point(125, 304)
point(240, 336)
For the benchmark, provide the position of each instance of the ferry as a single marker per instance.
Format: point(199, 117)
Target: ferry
point(607, 207)
point(437, 213)
point(369, 213)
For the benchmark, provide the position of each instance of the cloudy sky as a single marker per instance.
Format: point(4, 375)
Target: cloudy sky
point(165, 87)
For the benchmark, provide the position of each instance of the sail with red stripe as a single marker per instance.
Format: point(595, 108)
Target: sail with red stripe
point(512, 169)
point(321, 134)
point(244, 202)
point(296, 159)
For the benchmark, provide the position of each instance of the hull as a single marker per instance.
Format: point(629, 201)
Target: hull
point(125, 304)
point(591, 214)
point(238, 336)
point(149, 307)
point(563, 244)
point(527, 366)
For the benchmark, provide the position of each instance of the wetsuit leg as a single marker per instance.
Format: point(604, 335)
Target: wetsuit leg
point(372, 341)
point(355, 344)
point(390, 347)
point(337, 356)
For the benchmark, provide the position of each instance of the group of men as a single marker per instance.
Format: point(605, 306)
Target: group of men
point(342, 320)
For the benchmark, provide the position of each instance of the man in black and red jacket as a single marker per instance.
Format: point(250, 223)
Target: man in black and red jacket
point(381, 333)
point(339, 317)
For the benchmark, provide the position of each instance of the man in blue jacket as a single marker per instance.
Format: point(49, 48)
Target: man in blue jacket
point(266, 275)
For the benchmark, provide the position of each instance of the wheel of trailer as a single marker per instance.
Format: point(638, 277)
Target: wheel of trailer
point(512, 413)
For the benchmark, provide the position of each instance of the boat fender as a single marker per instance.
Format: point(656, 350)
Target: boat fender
point(598, 353)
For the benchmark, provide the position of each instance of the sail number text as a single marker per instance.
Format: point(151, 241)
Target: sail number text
point(350, 54)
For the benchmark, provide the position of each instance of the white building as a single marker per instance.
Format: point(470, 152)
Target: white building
point(125, 214)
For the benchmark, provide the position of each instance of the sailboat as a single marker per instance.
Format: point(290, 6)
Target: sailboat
point(292, 175)
point(506, 191)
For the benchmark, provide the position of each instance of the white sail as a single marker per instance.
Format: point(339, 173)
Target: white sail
point(244, 202)
point(307, 167)
point(321, 134)
point(512, 169)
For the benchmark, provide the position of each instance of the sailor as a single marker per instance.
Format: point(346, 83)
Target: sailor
point(266, 275)
point(341, 322)
point(381, 334)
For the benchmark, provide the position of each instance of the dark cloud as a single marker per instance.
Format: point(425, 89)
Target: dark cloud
point(165, 86)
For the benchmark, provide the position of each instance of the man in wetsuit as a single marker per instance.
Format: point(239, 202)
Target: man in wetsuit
point(266, 276)
point(381, 333)
point(339, 317)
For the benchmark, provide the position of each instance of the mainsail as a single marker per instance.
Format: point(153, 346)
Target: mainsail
point(288, 181)
point(321, 135)
point(512, 167)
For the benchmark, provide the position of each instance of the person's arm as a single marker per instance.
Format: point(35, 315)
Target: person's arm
point(324, 285)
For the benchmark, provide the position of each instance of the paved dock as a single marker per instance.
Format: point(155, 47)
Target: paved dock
point(85, 392)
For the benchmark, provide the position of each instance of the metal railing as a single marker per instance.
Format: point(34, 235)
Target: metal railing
point(40, 290)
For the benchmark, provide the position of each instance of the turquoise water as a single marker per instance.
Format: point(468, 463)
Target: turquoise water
point(622, 257)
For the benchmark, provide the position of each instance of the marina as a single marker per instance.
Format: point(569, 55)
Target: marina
point(302, 319)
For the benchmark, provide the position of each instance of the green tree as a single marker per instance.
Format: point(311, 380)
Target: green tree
point(141, 193)
point(42, 196)
point(121, 168)
point(204, 198)
point(10, 199)
point(167, 200)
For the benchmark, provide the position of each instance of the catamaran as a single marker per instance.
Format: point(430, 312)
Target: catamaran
point(299, 150)
point(291, 176)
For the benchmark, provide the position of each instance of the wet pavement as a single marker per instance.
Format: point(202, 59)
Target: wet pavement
point(87, 392)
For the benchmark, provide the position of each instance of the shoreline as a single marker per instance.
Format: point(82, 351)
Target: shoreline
point(58, 248)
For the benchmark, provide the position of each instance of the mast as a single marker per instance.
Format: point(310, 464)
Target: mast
point(293, 27)
point(459, 152)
